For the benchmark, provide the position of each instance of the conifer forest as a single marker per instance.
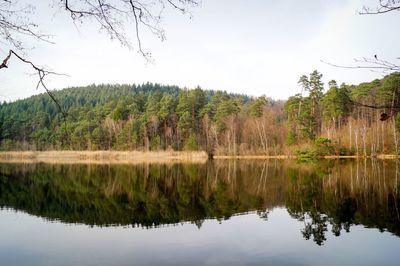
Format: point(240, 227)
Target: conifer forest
point(320, 120)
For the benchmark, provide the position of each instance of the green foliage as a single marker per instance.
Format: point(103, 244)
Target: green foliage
point(291, 138)
point(257, 108)
point(166, 107)
point(335, 102)
point(226, 108)
point(120, 112)
point(324, 146)
point(153, 116)
point(308, 115)
point(309, 154)
point(304, 112)
point(191, 144)
point(389, 89)
point(112, 117)
point(155, 143)
point(153, 104)
point(184, 123)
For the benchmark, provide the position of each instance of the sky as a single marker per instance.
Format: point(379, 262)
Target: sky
point(255, 47)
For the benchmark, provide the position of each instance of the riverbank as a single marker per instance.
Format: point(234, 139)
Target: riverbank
point(101, 157)
point(135, 157)
point(294, 157)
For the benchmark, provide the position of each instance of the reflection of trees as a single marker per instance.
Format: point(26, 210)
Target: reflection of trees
point(316, 227)
point(145, 195)
point(303, 202)
point(316, 222)
point(361, 192)
point(329, 196)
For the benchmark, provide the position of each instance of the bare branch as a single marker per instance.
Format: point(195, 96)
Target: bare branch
point(383, 66)
point(114, 16)
point(41, 73)
point(14, 22)
point(374, 106)
point(385, 6)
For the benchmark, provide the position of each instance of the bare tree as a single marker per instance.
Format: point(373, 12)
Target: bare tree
point(114, 17)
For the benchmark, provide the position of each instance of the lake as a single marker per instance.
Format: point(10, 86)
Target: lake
point(227, 212)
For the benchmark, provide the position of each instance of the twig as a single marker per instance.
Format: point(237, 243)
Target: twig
point(385, 6)
point(371, 64)
point(41, 73)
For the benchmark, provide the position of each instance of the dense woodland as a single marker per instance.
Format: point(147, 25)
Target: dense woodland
point(340, 119)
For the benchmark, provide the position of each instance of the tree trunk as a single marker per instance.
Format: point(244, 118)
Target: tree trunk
point(356, 140)
point(350, 136)
point(395, 135)
point(364, 133)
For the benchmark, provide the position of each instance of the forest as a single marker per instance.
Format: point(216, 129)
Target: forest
point(337, 120)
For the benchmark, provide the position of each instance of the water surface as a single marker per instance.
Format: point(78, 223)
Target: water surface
point(219, 213)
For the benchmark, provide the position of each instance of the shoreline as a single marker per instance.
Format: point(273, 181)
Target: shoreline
point(294, 157)
point(102, 157)
point(137, 157)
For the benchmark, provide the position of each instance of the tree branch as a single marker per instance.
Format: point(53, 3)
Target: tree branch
point(112, 16)
point(374, 106)
point(372, 64)
point(41, 73)
point(385, 6)
point(14, 21)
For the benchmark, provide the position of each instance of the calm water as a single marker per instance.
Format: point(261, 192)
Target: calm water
point(219, 213)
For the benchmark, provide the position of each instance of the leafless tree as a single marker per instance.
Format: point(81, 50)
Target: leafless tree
point(114, 17)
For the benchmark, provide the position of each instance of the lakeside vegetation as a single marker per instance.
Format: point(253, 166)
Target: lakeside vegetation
point(102, 157)
point(152, 117)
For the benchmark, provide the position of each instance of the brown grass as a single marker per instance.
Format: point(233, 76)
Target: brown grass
point(137, 157)
point(253, 157)
point(103, 157)
point(283, 157)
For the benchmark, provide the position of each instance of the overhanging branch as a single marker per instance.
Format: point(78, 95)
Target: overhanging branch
point(385, 6)
point(41, 73)
point(375, 64)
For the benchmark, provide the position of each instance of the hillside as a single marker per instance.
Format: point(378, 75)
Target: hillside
point(105, 117)
point(340, 120)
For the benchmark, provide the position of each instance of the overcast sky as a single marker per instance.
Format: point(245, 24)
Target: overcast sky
point(247, 46)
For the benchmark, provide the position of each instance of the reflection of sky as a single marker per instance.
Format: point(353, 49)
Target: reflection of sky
point(242, 240)
point(257, 47)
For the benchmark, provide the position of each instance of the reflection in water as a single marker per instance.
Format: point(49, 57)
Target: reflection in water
point(362, 192)
point(332, 194)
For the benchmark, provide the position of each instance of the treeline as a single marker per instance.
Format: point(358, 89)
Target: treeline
point(144, 117)
point(344, 120)
point(347, 119)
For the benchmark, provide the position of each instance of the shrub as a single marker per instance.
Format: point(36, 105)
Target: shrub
point(191, 144)
point(324, 146)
